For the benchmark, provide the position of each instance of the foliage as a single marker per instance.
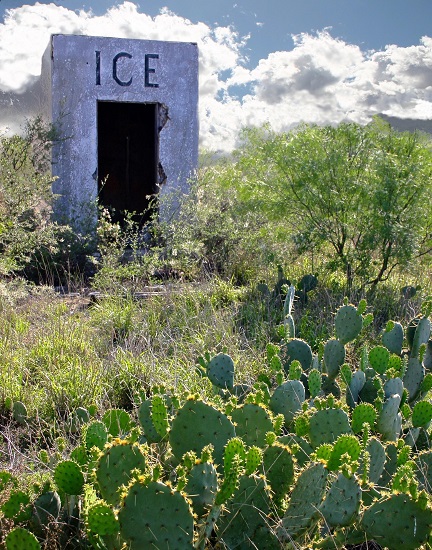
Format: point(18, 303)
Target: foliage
point(260, 465)
point(358, 193)
point(216, 232)
point(25, 197)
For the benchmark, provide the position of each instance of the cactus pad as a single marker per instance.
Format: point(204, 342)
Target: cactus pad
point(355, 386)
point(46, 508)
point(299, 350)
point(392, 337)
point(327, 425)
point(201, 487)
point(69, 477)
point(21, 539)
point(287, 399)
point(305, 499)
point(314, 382)
point(114, 468)
point(342, 502)
point(252, 422)
point(19, 412)
point(220, 371)
point(17, 506)
point(95, 435)
point(393, 386)
point(413, 378)
point(246, 519)
point(344, 445)
point(348, 323)
point(377, 459)
point(146, 421)
point(155, 516)
point(197, 425)
point(424, 470)
point(253, 460)
point(334, 357)
point(389, 421)
point(278, 468)
point(397, 522)
point(299, 446)
point(379, 359)
point(421, 335)
point(422, 414)
point(101, 519)
point(363, 413)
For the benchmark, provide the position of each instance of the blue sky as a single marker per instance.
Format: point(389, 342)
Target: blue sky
point(371, 24)
point(277, 61)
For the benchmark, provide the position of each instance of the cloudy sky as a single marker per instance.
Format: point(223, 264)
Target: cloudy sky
point(277, 61)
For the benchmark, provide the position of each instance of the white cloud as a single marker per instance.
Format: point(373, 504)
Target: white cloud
point(321, 80)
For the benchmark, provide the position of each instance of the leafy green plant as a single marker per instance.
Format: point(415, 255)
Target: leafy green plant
point(357, 193)
point(25, 197)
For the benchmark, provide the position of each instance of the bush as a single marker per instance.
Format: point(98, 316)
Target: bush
point(25, 198)
point(357, 194)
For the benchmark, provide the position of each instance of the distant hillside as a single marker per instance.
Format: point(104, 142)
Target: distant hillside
point(409, 124)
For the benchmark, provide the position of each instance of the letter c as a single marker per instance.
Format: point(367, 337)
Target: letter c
point(116, 78)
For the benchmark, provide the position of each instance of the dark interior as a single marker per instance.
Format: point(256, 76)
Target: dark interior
point(127, 158)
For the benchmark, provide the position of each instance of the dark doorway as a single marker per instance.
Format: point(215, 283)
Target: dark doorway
point(127, 158)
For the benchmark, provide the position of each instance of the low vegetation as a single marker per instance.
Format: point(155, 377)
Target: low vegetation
point(155, 382)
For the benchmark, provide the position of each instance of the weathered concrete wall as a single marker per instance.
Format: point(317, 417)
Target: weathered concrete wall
point(79, 71)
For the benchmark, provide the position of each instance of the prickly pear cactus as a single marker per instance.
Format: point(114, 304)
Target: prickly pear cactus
point(252, 422)
point(21, 539)
point(287, 399)
point(348, 323)
point(413, 378)
point(375, 464)
point(301, 448)
point(392, 337)
point(79, 417)
point(155, 516)
point(95, 435)
point(253, 460)
point(334, 357)
point(345, 453)
point(220, 371)
point(390, 465)
point(355, 386)
point(422, 414)
point(397, 521)
point(424, 470)
point(201, 487)
point(246, 520)
point(19, 412)
point(421, 335)
point(113, 469)
point(326, 425)
point(342, 502)
point(393, 386)
point(299, 350)
point(379, 359)
point(305, 501)
point(314, 383)
point(198, 424)
point(389, 423)
point(101, 520)
point(17, 506)
point(278, 468)
point(69, 477)
point(146, 421)
point(363, 413)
